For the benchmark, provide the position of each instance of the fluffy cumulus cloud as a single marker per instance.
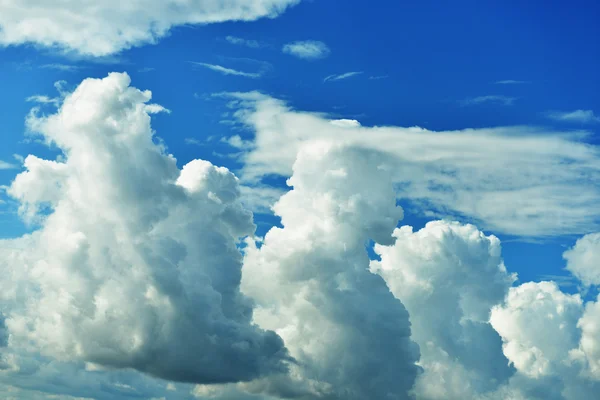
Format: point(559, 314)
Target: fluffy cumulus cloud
point(135, 263)
point(449, 276)
point(583, 260)
point(349, 335)
point(94, 28)
point(514, 180)
point(548, 339)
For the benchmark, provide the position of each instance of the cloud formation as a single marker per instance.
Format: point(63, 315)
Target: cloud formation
point(307, 49)
point(135, 263)
point(449, 276)
point(100, 29)
point(510, 82)
point(339, 77)
point(494, 99)
point(580, 116)
point(515, 180)
point(229, 71)
point(6, 165)
point(243, 42)
point(583, 260)
point(349, 335)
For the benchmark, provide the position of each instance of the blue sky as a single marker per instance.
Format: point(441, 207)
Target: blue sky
point(523, 73)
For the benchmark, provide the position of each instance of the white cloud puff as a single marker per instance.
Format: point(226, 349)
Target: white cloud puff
point(307, 49)
point(449, 276)
point(103, 28)
point(135, 263)
point(583, 260)
point(538, 324)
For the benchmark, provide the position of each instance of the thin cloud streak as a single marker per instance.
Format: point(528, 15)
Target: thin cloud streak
point(339, 77)
point(511, 82)
point(228, 71)
point(579, 116)
point(497, 99)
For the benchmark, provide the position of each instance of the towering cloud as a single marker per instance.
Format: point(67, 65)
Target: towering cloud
point(135, 263)
point(103, 28)
point(310, 278)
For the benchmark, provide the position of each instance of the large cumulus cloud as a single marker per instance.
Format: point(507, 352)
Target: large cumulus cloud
point(449, 276)
point(101, 28)
point(349, 335)
point(135, 263)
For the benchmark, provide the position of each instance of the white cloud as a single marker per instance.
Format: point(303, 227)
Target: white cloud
point(43, 99)
point(244, 42)
point(61, 67)
point(497, 99)
point(583, 260)
point(510, 82)
point(229, 71)
point(339, 77)
point(516, 180)
point(449, 276)
point(307, 49)
point(538, 324)
point(135, 263)
point(350, 336)
point(580, 116)
point(6, 165)
point(378, 77)
point(589, 349)
point(103, 28)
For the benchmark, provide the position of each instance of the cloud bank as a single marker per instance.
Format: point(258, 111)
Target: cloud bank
point(91, 28)
point(136, 269)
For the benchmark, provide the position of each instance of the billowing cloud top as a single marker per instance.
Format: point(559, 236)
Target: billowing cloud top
point(92, 28)
point(135, 264)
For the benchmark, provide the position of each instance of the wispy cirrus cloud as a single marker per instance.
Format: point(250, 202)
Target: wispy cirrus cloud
point(511, 82)
point(6, 165)
point(497, 99)
point(579, 116)
point(61, 67)
point(339, 77)
point(255, 44)
point(229, 71)
point(307, 49)
point(43, 99)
